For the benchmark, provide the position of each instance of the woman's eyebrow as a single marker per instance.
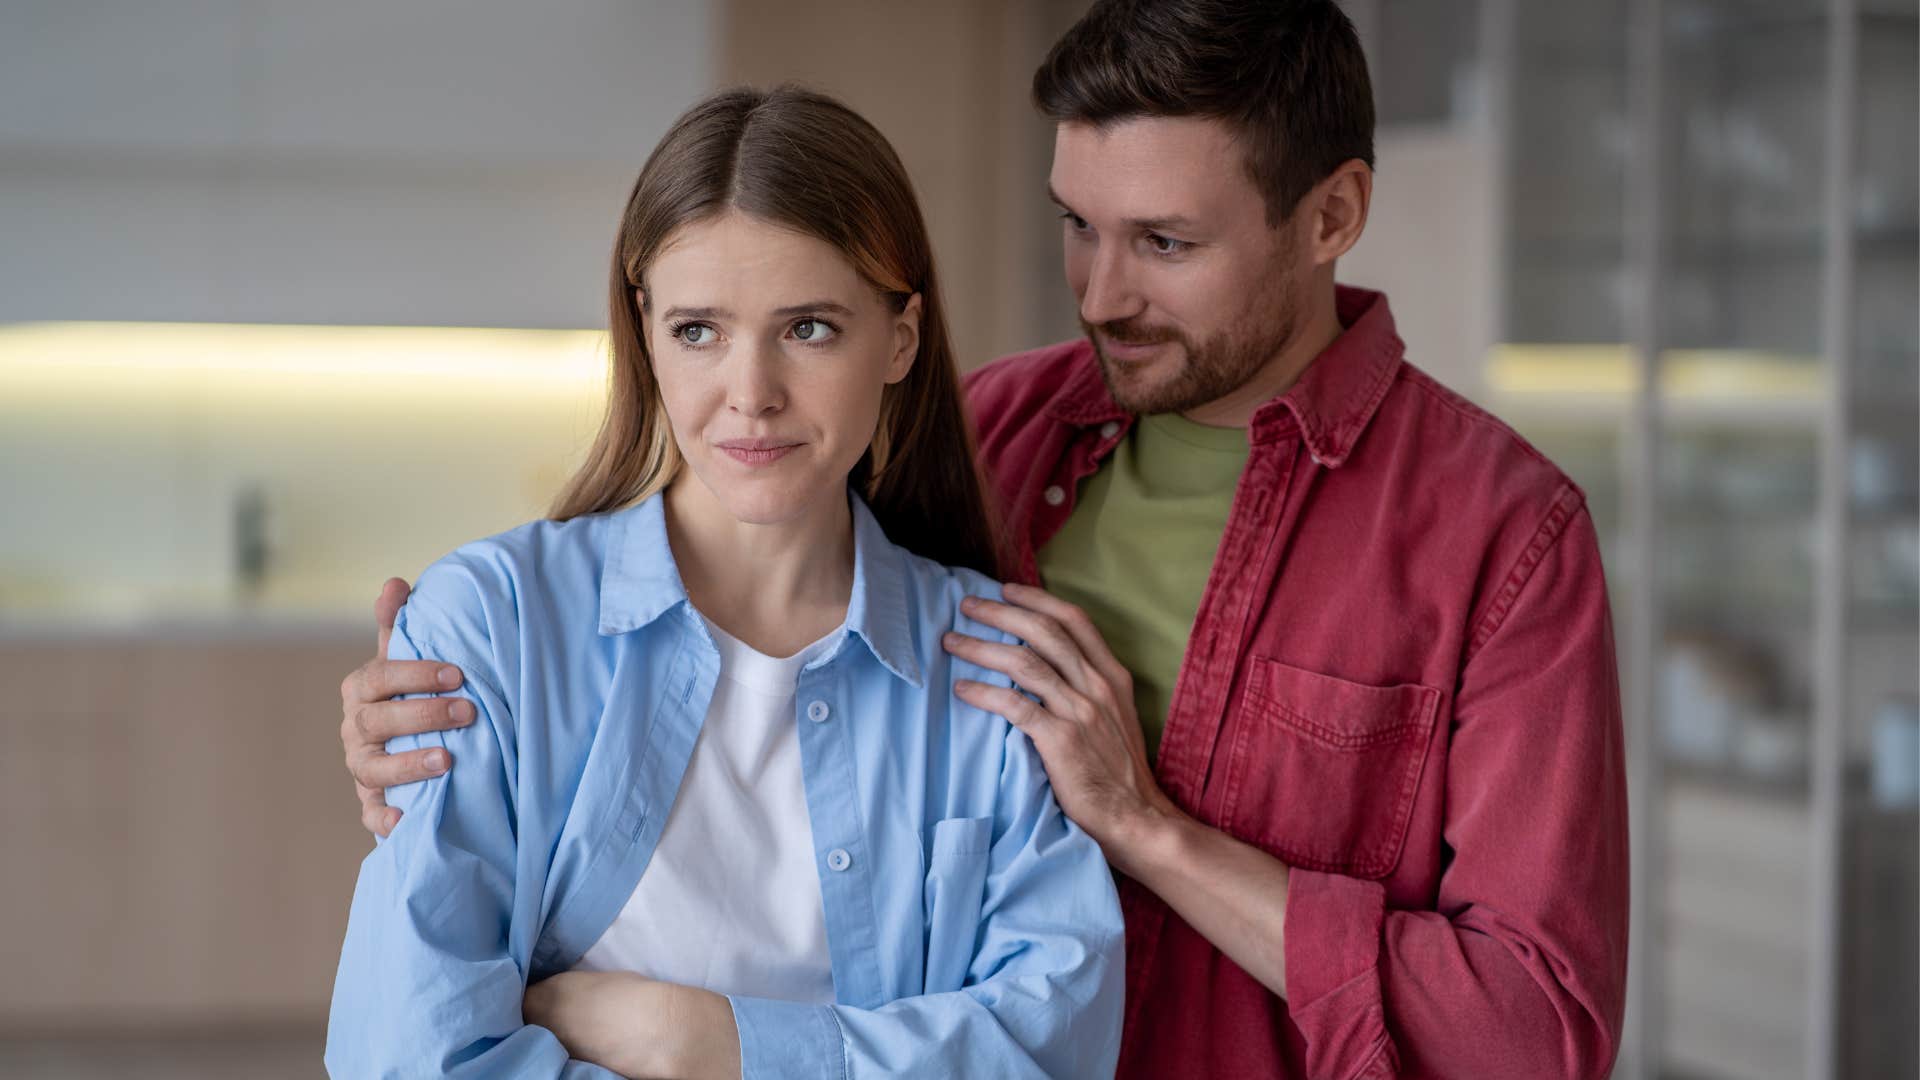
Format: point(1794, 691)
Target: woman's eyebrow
point(696, 313)
point(827, 306)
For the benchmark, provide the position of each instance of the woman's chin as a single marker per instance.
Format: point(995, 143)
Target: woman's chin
point(773, 500)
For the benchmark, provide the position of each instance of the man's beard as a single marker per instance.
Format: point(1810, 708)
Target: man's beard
point(1212, 369)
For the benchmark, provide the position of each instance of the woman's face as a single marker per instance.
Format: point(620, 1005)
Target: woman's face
point(771, 354)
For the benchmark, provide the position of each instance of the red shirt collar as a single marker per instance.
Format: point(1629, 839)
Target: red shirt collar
point(1332, 403)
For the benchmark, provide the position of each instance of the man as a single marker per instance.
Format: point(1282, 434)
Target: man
point(1325, 662)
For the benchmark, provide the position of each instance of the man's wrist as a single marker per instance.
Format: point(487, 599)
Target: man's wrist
point(1149, 842)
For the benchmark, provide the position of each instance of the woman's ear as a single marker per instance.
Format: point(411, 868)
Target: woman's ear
point(906, 340)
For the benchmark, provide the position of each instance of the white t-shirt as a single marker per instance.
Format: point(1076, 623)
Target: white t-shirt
point(730, 900)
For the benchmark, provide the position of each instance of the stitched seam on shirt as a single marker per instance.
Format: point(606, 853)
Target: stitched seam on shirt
point(1380, 1048)
point(840, 1035)
point(1440, 395)
point(1346, 431)
point(1336, 740)
point(1565, 504)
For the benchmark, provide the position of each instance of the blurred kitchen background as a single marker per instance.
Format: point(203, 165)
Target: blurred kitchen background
point(297, 296)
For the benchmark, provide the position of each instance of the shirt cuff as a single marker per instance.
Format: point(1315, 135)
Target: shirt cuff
point(1333, 934)
point(788, 1039)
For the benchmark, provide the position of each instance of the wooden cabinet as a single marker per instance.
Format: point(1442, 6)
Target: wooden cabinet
point(180, 839)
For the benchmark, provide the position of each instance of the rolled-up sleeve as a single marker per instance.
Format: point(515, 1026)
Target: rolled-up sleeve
point(1520, 968)
point(1043, 985)
point(428, 984)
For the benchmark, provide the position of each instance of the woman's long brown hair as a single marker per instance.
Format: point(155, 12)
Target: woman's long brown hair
point(806, 162)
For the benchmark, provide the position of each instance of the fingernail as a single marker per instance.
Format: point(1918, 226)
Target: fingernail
point(460, 713)
point(968, 603)
point(437, 761)
point(964, 684)
point(449, 677)
point(949, 639)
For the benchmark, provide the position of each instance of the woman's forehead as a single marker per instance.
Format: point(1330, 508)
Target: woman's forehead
point(748, 265)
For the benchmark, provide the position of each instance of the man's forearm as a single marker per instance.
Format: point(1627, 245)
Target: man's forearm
point(1232, 893)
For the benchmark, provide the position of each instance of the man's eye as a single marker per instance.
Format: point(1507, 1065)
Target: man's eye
point(1166, 245)
point(1079, 223)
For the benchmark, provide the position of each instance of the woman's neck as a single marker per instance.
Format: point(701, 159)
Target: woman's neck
point(778, 588)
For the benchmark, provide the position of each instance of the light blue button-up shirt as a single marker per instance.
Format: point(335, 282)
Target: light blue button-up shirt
point(973, 929)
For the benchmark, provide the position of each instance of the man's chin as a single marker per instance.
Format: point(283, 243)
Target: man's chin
point(1138, 392)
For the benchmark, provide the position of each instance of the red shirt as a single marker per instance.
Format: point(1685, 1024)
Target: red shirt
point(1401, 684)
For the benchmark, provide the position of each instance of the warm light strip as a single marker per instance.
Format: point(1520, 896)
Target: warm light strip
point(135, 356)
point(1573, 371)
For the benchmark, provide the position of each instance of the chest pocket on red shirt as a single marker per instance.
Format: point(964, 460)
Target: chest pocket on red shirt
point(1321, 772)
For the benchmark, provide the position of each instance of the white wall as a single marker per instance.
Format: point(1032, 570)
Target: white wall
point(456, 162)
point(1430, 246)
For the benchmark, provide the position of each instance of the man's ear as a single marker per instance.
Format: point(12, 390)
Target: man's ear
point(906, 340)
point(1339, 204)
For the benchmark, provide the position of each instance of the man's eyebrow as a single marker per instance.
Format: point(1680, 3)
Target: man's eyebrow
point(1175, 222)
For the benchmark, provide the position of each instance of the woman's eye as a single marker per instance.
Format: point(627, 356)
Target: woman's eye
point(813, 330)
point(695, 334)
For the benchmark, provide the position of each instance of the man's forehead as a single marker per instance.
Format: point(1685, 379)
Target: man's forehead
point(1149, 167)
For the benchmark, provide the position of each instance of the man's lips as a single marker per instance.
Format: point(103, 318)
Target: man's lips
point(1128, 350)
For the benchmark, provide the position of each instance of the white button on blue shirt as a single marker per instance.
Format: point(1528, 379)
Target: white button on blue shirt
point(977, 932)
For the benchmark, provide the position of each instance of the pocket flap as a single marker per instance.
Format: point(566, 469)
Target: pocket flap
point(1338, 714)
point(961, 836)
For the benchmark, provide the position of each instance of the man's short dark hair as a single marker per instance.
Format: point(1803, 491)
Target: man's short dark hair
point(1287, 76)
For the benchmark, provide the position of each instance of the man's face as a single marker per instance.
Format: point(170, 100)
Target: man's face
point(1184, 289)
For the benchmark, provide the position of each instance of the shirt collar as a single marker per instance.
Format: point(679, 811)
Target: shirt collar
point(642, 582)
point(1332, 402)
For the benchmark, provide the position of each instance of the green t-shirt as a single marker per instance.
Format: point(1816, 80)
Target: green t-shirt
point(1137, 549)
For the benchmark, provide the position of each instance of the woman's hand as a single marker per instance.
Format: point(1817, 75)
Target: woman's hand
point(638, 1027)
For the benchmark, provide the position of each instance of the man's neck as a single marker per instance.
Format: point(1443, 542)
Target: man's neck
point(776, 587)
point(1311, 338)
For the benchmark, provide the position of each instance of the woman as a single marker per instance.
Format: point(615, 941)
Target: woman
point(718, 804)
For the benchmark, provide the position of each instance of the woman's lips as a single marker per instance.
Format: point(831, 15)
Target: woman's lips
point(757, 452)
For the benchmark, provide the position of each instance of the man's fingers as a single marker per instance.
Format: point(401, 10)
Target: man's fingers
point(379, 680)
point(383, 720)
point(1079, 626)
point(1042, 633)
point(375, 815)
point(1019, 710)
point(1025, 667)
point(393, 594)
point(381, 771)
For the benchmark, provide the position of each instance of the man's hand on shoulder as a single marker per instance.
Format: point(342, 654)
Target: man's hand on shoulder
point(370, 716)
point(1084, 726)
